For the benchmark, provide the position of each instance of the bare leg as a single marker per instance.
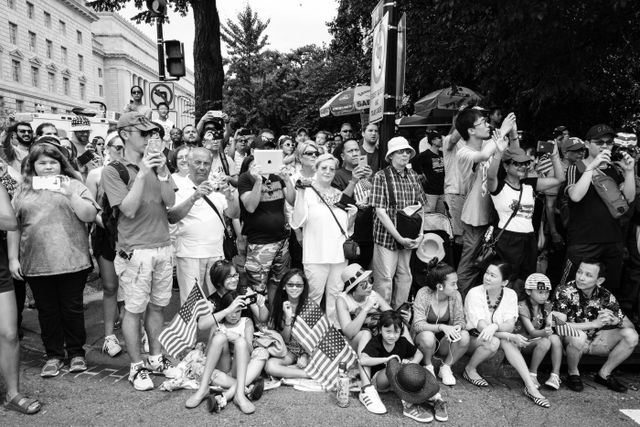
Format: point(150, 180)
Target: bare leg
point(242, 362)
point(217, 341)
point(154, 323)
point(575, 346)
point(539, 352)
point(110, 293)
point(131, 332)
point(284, 368)
point(482, 350)
point(9, 345)
point(457, 349)
point(513, 355)
point(621, 352)
point(556, 354)
point(426, 342)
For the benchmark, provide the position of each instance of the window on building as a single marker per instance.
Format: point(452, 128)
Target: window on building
point(47, 19)
point(65, 85)
point(63, 53)
point(100, 90)
point(30, 10)
point(99, 72)
point(80, 62)
point(51, 82)
point(19, 106)
point(54, 110)
point(79, 36)
point(82, 91)
point(63, 27)
point(13, 33)
point(35, 76)
point(16, 70)
point(11, 4)
point(49, 49)
point(32, 41)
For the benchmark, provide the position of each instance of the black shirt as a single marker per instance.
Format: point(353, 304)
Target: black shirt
point(374, 348)
point(267, 224)
point(432, 166)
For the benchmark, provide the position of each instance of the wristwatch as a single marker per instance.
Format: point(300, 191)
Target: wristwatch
point(163, 178)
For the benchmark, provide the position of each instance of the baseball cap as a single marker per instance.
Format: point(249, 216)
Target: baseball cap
point(135, 120)
point(574, 144)
point(538, 281)
point(515, 154)
point(598, 131)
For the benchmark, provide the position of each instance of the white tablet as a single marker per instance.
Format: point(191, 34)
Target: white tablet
point(270, 161)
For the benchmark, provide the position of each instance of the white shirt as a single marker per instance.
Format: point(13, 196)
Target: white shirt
point(200, 233)
point(476, 308)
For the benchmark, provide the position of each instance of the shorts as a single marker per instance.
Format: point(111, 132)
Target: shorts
point(146, 277)
point(266, 264)
point(602, 342)
point(100, 244)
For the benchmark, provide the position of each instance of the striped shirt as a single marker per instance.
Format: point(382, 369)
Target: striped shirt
point(407, 191)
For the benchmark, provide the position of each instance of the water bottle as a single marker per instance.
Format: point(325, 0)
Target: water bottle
point(342, 386)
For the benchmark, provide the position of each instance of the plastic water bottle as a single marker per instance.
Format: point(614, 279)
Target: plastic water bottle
point(342, 386)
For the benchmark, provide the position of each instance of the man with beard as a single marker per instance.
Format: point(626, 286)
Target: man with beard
point(81, 129)
point(14, 153)
point(369, 146)
point(189, 135)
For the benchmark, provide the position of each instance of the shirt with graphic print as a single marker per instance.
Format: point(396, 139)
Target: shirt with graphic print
point(267, 223)
point(505, 201)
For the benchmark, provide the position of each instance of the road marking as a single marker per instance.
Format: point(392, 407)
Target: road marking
point(634, 414)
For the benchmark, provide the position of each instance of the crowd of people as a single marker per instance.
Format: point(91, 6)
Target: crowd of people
point(542, 256)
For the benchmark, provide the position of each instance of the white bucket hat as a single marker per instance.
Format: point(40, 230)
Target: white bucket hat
point(398, 143)
point(431, 246)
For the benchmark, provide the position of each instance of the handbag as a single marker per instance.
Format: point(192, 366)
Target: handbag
point(407, 225)
point(229, 247)
point(488, 249)
point(608, 190)
point(350, 247)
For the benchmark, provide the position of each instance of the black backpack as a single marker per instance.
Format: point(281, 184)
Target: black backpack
point(110, 214)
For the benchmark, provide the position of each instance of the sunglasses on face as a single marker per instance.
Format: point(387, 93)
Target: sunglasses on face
point(25, 131)
point(346, 131)
point(522, 164)
point(404, 151)
point(295, 285)
point(233, 276)
point(311, 154)
point(366, 283)
point(601, 142)
point(136, 92)
point(118, 147)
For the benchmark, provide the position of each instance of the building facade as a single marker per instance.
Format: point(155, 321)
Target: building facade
point(58, 55)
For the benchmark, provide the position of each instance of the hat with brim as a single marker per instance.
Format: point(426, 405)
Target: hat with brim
point(574, 144)
point(137, 121)
point(411, 382)
point(431, 246)
point(516, 155)
point(352, 275)
point(398, 143)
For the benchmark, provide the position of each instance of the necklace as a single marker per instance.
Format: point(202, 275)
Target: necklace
point(493, 307)
point(330, 195)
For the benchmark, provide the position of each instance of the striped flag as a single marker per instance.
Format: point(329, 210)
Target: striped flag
point(562, 329)
point(326, 346)
point(180, 334)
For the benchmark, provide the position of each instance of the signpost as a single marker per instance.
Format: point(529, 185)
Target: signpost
point(162, 92)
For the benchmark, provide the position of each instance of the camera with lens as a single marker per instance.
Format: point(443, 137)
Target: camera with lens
point(302, 184)
point(618, 150)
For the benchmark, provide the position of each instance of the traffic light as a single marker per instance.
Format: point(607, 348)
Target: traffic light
point(157, 7)
point(174, 52)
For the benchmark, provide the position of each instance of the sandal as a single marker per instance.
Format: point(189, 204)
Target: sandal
point(540, 401)
point(24, 405)
point(479, 382)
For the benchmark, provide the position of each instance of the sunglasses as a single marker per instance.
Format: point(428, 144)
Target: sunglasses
point(136, 92)
point(525, 164)
point(146, 133)
point(233, 276)
point(346, 131)
point(404, 151)
point(118, 147)
point(311, 154)
point(601, 142)
point(25, 131)
point(287, 144)
point(295, 285)
point(366, 283)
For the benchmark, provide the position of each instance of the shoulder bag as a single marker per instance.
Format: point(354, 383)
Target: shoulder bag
point(407, 225)
point(229, 242)
point(350, 247)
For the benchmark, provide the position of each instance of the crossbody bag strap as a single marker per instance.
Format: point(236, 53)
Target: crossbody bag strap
point(215, 209)
point(330, 210)
point(513, 214)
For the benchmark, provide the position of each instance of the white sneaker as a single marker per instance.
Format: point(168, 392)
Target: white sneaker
point(553, 382)
point(164, 367)
point(431, 369)
point(446, 375)
point(111, 346)
point(139, 377)
point(371, 400)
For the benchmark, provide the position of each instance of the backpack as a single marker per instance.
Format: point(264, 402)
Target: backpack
point(110, 214)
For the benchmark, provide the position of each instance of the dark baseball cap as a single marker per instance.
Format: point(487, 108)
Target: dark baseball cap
point(598, 131)
point(135, 120)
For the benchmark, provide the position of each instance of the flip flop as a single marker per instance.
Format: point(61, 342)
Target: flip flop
point(24, 405)
point(540, 401)
point(480, 382)
point(191, 404)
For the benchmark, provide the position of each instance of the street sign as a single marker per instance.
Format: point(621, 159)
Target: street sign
point(378, 68)
point(162, 92)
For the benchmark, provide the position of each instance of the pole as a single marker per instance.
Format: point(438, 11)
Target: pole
point(160, 42)
point(387, 129)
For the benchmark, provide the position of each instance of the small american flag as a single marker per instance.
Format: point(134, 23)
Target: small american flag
point(326, 346)
point(562, 329)
point(180, 334)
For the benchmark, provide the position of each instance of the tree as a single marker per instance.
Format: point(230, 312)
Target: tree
point(208, 72)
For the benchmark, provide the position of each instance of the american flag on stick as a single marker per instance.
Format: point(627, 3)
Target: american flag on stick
point(562, 329)
point(326, 346)
point(180, 334)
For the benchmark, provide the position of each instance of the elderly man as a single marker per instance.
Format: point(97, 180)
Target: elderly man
point(200, 230)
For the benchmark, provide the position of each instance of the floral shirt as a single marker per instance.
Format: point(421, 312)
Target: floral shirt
point(568, 299)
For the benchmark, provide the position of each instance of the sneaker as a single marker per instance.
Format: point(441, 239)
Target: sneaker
point(611, 383)
point(534, 378)
point(305, 384)
point(144, 341)
point(416, 413)
point(446, 375)
point(139, 377)
point(164, 367)
point(272, 383)
point(553, 382)
point(78, 364)
point(371, 400)
point(111, 346)
point(574, 382)
point(440, 409)
point(431, 369)
point(51, 368)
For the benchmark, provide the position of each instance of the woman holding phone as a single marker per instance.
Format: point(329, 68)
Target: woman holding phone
point(50, 249)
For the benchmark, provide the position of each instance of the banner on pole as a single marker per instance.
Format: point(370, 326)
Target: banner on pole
point(378, 68)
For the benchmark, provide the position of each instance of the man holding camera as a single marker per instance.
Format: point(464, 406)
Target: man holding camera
point(199, 236)
point(143, 262)
point(592, 231)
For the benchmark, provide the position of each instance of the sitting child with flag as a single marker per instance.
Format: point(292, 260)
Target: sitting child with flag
point(388, 349)
point(534, 323)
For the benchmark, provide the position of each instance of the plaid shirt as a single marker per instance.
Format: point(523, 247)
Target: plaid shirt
point(407, 192)
point(568, 299)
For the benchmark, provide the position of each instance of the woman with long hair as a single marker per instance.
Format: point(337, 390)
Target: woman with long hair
point(50, 249)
